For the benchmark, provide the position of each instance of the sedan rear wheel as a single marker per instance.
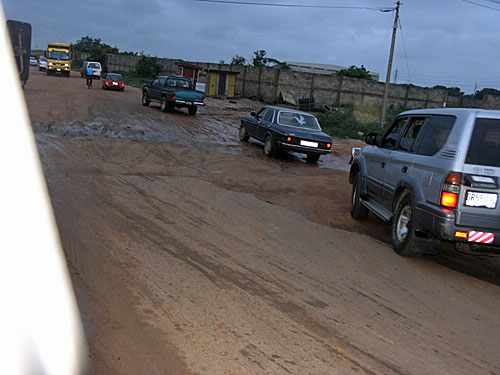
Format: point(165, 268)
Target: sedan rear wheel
point(269, 148)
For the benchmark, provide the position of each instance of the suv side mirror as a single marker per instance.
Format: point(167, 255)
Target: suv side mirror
point(253, 113)
point(371, 138)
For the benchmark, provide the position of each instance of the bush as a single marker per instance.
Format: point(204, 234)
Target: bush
point(345, 122)
point(148, 66)
point(133, 79)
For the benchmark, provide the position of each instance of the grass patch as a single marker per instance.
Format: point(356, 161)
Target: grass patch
point(134, 80)
point(355, 122)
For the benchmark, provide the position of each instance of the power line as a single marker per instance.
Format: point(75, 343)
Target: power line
point(404, 49)
point(378, 9)
point(481, 5)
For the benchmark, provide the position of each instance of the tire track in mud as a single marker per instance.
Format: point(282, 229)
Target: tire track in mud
point(252, 281)
point(223, 276)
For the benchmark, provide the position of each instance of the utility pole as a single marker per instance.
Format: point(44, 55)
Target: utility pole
point(389, 66)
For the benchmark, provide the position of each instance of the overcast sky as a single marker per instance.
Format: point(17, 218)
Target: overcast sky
point(446, 42)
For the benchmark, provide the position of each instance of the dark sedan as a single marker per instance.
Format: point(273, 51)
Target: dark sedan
point(113, 81)
point(287, 130)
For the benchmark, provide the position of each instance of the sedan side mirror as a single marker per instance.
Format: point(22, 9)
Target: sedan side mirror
point(371, 138)
point(253, 113)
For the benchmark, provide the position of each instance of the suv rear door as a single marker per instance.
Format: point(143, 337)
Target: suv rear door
point(429, 170)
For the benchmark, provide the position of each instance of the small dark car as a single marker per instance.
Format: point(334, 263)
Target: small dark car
point(113, 81)
point(286, 130)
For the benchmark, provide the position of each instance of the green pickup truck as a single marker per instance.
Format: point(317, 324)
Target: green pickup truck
point(173, 92)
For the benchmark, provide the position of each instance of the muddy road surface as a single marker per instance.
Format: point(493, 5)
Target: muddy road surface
point(191, 253)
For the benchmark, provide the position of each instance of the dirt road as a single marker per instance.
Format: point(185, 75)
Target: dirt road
point(192, 253)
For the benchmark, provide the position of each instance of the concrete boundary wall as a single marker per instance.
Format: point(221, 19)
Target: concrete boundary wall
point(270, 85)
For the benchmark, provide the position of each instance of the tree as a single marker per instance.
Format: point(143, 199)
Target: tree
point(238, 60)
point(277, 64)
point(94, 48)
point(259, 58)
point(452, 91)
point(148, 66)
point(354, 72)
point(486, 91)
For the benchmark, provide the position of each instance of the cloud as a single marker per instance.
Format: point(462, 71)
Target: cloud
point(455, 39)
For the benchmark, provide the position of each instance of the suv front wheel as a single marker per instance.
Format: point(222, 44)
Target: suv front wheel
point(358, 211)
point(402, 227)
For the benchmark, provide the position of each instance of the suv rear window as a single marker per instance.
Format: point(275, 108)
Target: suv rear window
point(484, 146)
point(434, 135)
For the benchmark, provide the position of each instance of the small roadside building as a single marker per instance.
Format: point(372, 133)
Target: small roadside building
point(221, 83)
point(188, 71)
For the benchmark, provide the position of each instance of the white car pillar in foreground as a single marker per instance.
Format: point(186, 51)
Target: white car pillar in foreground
point(40, 326)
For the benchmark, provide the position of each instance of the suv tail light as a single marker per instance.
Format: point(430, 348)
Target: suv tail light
point(451, 188)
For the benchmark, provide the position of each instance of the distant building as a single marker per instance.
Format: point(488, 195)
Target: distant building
point(321, 68)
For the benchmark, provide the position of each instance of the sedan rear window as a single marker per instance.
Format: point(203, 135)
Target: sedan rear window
point(484, 146)
point(115, 77)
point(301, 120)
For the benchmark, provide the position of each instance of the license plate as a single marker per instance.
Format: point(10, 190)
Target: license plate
point(58, 69)
point(115, 83)
point(477, 199)
point(309, 144)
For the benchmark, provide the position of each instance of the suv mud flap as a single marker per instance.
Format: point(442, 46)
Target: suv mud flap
point(425, 246)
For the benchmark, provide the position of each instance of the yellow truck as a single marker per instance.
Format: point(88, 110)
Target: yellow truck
point(58, 59)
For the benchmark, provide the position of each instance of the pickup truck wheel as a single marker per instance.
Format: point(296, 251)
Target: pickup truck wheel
point(192, 110)
point(243, 134)
point(358, 211)
point(312, 158)
point(163, 104)
point(402, 228)
point(145, 100)
point(269, 148)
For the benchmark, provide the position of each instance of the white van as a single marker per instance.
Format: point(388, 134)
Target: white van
point(96, 68)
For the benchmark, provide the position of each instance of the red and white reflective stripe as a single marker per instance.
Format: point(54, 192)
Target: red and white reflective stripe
point(481, 237)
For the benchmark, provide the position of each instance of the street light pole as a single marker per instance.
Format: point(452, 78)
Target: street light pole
point(389, 66)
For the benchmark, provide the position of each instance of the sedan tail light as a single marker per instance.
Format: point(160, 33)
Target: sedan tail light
point(451, 188)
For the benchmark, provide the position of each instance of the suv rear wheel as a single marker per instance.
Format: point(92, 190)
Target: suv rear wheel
point(402, 227)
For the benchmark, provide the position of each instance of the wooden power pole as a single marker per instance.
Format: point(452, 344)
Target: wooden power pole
point(389, 66)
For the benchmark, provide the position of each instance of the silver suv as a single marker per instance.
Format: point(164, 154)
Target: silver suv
point(434, 175)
